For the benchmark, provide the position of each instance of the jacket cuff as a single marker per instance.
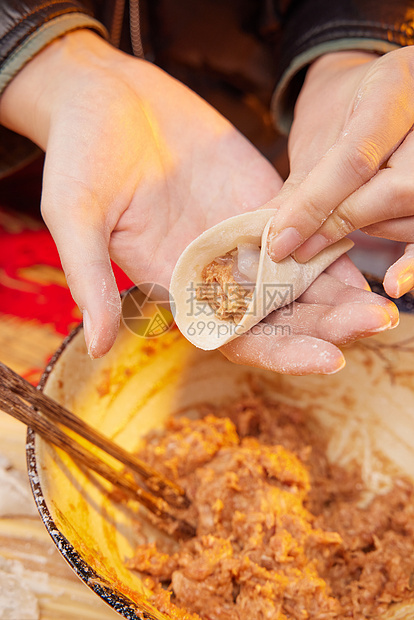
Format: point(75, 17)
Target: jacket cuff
point(16, 152)
point(41, 37)
point(291, 81)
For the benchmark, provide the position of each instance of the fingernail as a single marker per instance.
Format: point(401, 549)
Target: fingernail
point(405, 283)
point(341, 363)
point(393, 313)
point(311, 247)
point(381, 320)
point(284, 243)
point(90, 337)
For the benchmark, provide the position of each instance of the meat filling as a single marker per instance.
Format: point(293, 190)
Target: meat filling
point(281, 534)
point(228, 282)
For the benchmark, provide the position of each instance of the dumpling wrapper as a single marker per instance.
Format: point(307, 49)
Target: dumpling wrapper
point(277, 284)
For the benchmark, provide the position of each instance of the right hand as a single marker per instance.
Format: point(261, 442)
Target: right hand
point(351, 159)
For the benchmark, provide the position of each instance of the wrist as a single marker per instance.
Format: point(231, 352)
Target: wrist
point(28, 102)
point(346, 59)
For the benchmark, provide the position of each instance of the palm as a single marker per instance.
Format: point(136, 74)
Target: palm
point(215, 173)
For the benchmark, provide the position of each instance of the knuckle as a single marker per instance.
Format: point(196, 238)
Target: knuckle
point(363, 161)
point(76, 194)
point(76, 270)
point(315, 212)
point(343, 222)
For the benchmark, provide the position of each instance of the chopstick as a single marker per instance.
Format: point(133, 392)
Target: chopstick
point(158, 484)
point(21, 400)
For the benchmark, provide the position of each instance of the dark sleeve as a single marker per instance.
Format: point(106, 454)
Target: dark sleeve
point(26, 27)
point(311, 28)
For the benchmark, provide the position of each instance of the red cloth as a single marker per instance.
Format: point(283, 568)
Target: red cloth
point(26, 298)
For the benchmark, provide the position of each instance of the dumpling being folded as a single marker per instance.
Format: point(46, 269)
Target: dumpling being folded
point(224, 282)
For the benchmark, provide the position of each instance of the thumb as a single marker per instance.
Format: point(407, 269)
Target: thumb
point(83, 250)
point(379, 120)
point(399, 278)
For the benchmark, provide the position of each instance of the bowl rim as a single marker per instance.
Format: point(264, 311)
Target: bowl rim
point(110, 595)
point(115, 599)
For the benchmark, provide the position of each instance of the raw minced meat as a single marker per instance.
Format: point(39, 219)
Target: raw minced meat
point(281, 534)
point(228, 299)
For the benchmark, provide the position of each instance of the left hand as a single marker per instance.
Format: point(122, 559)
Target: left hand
point(351, 153)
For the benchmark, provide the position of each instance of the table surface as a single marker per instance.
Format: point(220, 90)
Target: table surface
point(26, 550)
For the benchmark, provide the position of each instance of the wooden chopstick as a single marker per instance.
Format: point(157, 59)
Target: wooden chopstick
point(14, 404)
point(158, 484)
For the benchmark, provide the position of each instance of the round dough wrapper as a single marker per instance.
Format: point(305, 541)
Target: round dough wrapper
point(277, 284)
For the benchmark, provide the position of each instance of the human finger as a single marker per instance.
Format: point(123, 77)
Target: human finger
point(400, 229)
point(82, 243)
point(305, 342)
point(377, 124)
point(399, 278)
point(344, 270)
point(388, 196)
point(338, 324)
point(289, 354)
point(301, 338)
point(328, 290)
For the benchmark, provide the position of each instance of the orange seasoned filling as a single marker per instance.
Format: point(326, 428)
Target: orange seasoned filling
point(281, 533)
point(228, 282)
